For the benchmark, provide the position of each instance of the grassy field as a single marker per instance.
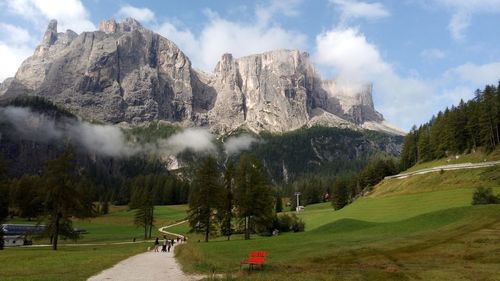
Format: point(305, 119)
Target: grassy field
point(118, 226)
point(78, 262)
point(67, 263)
point(421, 228)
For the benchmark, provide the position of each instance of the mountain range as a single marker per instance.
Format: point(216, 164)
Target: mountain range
point(126, 74)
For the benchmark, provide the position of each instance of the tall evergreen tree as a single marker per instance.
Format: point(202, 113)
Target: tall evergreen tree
point(205, 197)
point(142, 202)
point(226, 211)
point(63, 200)
point(253, 194)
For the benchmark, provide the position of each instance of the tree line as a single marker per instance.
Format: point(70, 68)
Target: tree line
point(235, 198)
point(340, 190)
point(456, 130)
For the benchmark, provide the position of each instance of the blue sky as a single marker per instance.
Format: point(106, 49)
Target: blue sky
point(420, 55)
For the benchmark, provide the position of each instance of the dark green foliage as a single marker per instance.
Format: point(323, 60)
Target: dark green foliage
point(472, 124)
point(253, 194)
point(485, 196)
point(152, 132)
point(376, 170)
point(320, 151)
point(279, 202)
point(142, 202)
point(287, 223)
point(41, 105)
point(26, 196)
point(65, 196)
point(227, 203)
point(340, 194)
point(205, 197)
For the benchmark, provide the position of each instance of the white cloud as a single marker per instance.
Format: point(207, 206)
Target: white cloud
point(197, 140)
point(477, 74)
point(70, 14)
point(433, 54)
point(350, 54)
point(16, 44)
point(463, 11)
point(353, 9)
point(11, 58)
point(219, 36)
point(402, 100)
point(143, 15)
point(236, 144)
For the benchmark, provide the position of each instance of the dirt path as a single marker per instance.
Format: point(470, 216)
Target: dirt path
point(147, 266)
point(451, 167)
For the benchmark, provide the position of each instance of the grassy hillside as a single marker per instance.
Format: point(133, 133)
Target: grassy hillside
point(419, 228)
point(473, 157)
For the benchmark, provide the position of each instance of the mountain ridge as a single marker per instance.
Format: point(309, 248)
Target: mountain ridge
point(126, 73)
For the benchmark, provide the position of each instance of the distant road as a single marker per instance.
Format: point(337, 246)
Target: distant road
point(451, 167)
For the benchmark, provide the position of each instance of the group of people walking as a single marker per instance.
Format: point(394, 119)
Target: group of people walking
point(167, 244)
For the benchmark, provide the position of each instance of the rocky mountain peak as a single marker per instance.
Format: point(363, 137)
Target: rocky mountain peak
point(126, 73)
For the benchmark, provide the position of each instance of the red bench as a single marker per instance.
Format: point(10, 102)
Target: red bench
point(255, 258)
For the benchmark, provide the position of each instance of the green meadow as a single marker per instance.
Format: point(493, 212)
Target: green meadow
point(420, 228)
point(74, 261)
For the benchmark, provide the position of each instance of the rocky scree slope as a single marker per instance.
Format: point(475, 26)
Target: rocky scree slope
point(126, 73)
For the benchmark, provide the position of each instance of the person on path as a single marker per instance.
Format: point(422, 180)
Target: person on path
point(169, 245)
point(157, 244)
point(164, 247)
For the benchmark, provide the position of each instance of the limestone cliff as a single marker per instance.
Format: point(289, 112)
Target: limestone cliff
point(126, 73)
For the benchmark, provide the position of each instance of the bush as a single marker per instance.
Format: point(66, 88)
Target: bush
point(485, 196)
point(287, 223)
point(298, 225)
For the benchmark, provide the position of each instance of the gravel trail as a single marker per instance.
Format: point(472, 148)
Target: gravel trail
point(148, 266)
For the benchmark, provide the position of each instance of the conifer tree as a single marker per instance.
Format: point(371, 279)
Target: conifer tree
point(205, 197)
point(253, 194)
point(62, 199)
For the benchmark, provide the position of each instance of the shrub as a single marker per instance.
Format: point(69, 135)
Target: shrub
point(287, 223)
point(484, 196)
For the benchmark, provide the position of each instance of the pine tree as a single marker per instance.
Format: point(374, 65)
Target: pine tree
point(205, 197)
point(340, 194)
point(226, 212)
point(253, 194)
point(62, 198)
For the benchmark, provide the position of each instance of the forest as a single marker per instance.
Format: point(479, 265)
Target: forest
point(456, 130)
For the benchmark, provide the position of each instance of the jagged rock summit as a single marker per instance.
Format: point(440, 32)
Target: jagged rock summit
point(126, 73)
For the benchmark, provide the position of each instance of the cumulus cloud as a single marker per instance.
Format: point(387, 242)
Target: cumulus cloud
point(17, 43)
point(234, 145)
point(70, 14)
point(144, 15)
point(353, 9)
point(219, 35)
point(355, 60)
point(348, 52)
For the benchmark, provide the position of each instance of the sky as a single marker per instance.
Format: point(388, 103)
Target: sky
point(420, 55)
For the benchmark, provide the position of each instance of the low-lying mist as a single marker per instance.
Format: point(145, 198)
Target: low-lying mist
point(110, 140)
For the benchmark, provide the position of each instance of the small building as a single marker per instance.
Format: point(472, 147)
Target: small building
point(15, 234)
point(13, 240)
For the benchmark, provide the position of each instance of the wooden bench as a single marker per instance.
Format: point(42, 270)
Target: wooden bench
point(254, 258)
